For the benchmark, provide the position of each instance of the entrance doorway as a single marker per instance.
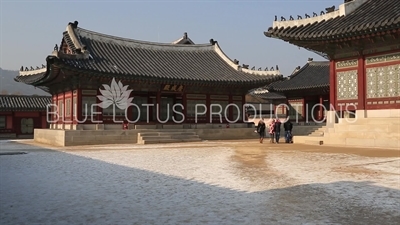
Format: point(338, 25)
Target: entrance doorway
point(27, 125)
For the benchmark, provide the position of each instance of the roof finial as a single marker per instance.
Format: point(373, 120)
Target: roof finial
point(185, 36)
point(212, 41)
point(236, 61)
point(310, 59)
point(74, 24)
point(56, 47)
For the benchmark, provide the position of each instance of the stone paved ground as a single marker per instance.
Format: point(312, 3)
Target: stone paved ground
point(238, 182)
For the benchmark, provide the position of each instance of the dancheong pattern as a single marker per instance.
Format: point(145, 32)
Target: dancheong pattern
point(383, 82)
point(347, 87)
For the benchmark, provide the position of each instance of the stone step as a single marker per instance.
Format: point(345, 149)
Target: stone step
point(171, 137)
point(165, 133)
point(170, 141)
point(371, 121)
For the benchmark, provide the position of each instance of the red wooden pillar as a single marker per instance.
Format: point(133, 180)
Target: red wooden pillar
point(242, 109)
point(99, 110)
point(158, 106)
point(64, 109)
point(57, 111)
point(304, 111)
point(361, 83)
point(332, 84)
point(230, 109)
point(79, 105)
point(71, 106)
point(184, 110)
point(208, 103)
point(129, 111)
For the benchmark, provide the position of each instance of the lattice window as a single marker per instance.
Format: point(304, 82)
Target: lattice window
point(383, 82)
point(68, 107)
point(347, 85)
point(61, 108)
point(75, 106)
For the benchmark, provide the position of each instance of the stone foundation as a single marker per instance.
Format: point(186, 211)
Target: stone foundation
point(119, 136)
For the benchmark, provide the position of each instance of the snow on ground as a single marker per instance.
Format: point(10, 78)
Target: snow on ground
point(195, 183)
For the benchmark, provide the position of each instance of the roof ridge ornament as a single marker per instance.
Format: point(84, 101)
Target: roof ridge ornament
point(74, 24)
point(212, 42)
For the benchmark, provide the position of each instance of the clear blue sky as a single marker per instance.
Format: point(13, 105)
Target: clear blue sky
point(30, 29)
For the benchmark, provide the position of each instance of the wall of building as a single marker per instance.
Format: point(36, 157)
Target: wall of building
point(21, 123)
point(75, 107)
point(367, 82)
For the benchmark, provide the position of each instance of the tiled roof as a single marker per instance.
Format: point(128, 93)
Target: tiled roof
point(368, 17)
point(270, 96)
point(104, 54)
point(311, 75)
point(24, 103)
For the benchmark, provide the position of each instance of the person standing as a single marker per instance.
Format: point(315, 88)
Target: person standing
point(261, 129)
point(277, 130)
point(272, 131)
point(288, 126)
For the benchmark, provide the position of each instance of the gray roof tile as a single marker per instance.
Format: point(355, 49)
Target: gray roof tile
point(371, 17)
point(24, 103)
point(311, 75)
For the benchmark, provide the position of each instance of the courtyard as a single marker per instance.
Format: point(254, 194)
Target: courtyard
point(209, 182)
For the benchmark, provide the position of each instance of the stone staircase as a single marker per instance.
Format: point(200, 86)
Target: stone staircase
point(175, 136)
point(365, 132)
point(360, 132)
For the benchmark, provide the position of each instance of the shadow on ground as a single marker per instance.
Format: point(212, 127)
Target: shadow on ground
point(52, 187)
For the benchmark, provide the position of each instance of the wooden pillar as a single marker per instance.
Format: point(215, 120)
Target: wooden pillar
point(243, 114)
point(158, 105)
point(58, 110)
point(208, 103)
point(99, 116)
point(64, 108)
point(361, 83)
point(129, 111)
point(184, 110)
point(230, 109)
point(304, 111)
point(332, 84)
point(79, 105)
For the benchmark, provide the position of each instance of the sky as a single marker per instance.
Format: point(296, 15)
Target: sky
point(29, 30)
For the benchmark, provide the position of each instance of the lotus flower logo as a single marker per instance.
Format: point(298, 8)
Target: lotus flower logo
point(116, 94)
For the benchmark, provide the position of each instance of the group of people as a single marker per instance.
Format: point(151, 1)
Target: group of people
point(274, 130)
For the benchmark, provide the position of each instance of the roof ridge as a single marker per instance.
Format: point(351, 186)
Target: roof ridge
point(319, 62)
point(131, 40)
point(344, 9)
point(26, 96)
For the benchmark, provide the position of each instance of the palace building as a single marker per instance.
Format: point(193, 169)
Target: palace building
point(154, 76)
point(306, 91)
point(361, 39)
point(21, 114)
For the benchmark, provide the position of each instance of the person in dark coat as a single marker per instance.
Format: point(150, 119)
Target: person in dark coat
point(277, 130)
point(261, 129)
point(288, 126)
